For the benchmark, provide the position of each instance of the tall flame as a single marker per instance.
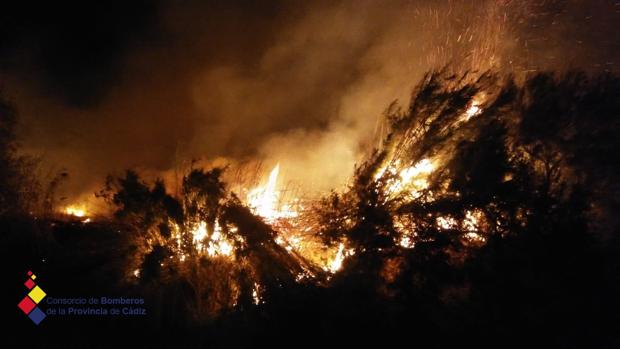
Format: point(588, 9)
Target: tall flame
point(263, 200)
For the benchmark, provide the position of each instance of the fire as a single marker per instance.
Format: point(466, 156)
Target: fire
point(411, 179)
point(256, 293)
point(336, 264)
point(76, 211)
point(216, 245)
point(447, 222)
point(266, 201)
point(263, 200)
point(341, 255)
point(473, 109)
point(406, 241)
point(199, 233)
point(471, 224)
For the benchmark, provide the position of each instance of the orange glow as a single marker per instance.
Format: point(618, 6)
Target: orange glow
point(76, 211)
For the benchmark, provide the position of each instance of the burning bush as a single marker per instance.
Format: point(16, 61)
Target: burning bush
point(475, 160)
point(206, 233)
point(478, 190)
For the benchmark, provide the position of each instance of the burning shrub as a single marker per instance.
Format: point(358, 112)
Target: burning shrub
point(206, 233)
point(472, 159)
point(476, 192)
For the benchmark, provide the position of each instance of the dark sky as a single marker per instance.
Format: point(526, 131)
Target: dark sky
point(103, 86)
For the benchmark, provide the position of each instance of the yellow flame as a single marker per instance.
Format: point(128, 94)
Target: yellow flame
point(473, 109)
point(76, 211)
point(216, 245)
point(413, 179)
point(199, 233)
point(336, 264)
point(263, 200)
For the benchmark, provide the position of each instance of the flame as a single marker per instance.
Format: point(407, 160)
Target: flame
point(341, 255)
point(76, 211)
point(336, 264)
point(217, 244)
point(473, 109)
point(263, 200)
point(471, 224)
point(406, 241)
point(199, 233)
point(412, 179)
point(256, 293)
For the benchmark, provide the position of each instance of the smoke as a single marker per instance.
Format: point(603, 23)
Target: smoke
point(302, 85)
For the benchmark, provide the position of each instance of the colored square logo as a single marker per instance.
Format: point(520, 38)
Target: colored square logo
point(26, 305)
point(37, 315)
point(36, 294)
point(29, 283)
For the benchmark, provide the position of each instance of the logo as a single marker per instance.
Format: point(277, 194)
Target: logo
point(29, 304)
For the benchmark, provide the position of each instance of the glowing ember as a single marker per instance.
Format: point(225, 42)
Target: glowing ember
point(446, 222)
point(75, 211)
